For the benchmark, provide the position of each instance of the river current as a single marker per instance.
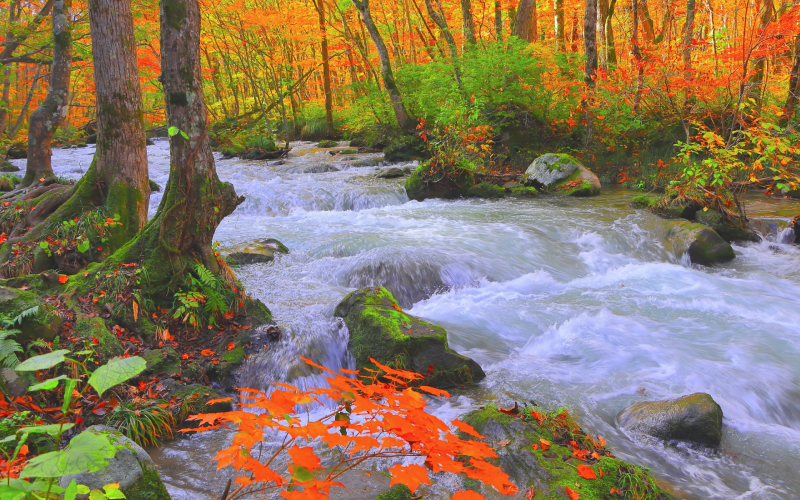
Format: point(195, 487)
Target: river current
point(575, 302)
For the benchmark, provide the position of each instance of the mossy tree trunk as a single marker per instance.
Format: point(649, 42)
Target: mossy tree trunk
point(117, 179)
point(53, 110)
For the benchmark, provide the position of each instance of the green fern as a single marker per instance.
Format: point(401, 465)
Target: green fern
point(9, 348)
point(5, 322)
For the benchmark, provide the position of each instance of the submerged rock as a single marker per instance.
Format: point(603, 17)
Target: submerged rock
point(561, 174)
point(553, 464)
point(391, 173)
point(258, 251)
point(327, 144)
point(379, 329)
point(696, 418)
point(320, 169)
point(702, 243)
point(131, 467)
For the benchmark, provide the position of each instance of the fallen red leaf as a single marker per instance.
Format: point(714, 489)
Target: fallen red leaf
point(586, 472)
point(207, 352)
point(545, 444)
point(572, 494)
point(63, 278)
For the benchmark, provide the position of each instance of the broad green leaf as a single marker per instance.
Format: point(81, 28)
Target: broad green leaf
point(184, 135)
point(300, 473)
point(115, 372)
point(47, 385)
point(69, 386)
point(51, 429)
point(83, 246)
point(42, 362)
point(44, 244)
point(89, 451)
point(83, 489)
point(72, 491)
point(173, 131)
point(97, 495)
point(113, 492)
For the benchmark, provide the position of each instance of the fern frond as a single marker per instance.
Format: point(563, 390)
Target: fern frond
point(27, 313)
point(206, 277)
point(8, 352)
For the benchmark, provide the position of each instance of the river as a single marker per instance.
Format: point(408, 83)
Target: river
point(572, 302)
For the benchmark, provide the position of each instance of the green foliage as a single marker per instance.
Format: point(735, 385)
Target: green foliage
point(115, 372)
point(206, 299)
point(86, 452)
point(145, 422)
point(8, 346)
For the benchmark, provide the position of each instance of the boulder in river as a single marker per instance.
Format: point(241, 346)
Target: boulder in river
point(391, 173)
point(379, 329)
point(18, 150)
point(258, 251)
point(131, 467)
point(320, 169)
point(419, 186)
point(561, 174)
point(7, 166)
point(730, 229)
point(696, 418)
point(702, 243)
point(486, 190)
point(549, 453)
point(327, 144)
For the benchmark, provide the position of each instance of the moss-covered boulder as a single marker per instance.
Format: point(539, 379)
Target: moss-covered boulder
point(327, 144)
point(398, 492)
point(7, 166)
point(379, 329)
point(18, 150)
point(165, 361)
point(258, 251)
point(561, 174)
point(543, 455)
point(44, 324)
point(702, 243)
point(8, 182)
point(696, 418)
point(131, 467)
point(391, 173)
point(523, 192)
point(405, 148)
point(421, 185)
point(486, 190)
point(197, 398)
point(108, 345)
point(679, 207)
point(729, 228)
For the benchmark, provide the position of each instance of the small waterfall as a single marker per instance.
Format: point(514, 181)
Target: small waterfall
point(786, 236)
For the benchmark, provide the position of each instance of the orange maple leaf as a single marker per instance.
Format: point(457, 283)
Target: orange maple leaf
point(467, 495)
point(586, 472)
point(304, 457)
point(63, 278)
point(545, 444)
point(573, 495)
point(207, 352)
point(411, 475)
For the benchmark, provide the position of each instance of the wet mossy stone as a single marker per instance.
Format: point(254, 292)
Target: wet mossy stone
point(44, 324)
point(486, 190)
point(108, 345)
point(7, 166)
point(548, 472)
point(644, 201)
point(676, 208)
point(320, 169)
point(131, 467)
point(454, 185)
point(702, 243)
point(696, 418)
point(154, 187)
point(729, 229)
point(258, 251)
point(561, 174)
point(164, 361)
point(327, 144)
point(379, 329)
point(391, 173)
point(523, 192)
point(405, 148)
point(398, 492)
point(18, 150)
point(198, 396)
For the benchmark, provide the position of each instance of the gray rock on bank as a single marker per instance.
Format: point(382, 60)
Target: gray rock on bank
point(702, 243)
point(561, 174)
point(696, 418)
point(131, 467)
point(258, 251)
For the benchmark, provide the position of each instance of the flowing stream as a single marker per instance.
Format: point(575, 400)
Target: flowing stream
point(574, 302)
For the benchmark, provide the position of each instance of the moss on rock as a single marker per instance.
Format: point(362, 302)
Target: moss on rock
point(44, 324)
point(162, 361)
point(702, 243)
point(561, 174)
point(550, 471)
point(451, 186)
point(486, 190)
point(729, 229)
point(379, 329)
point(696, 418)
point(398, 492)
point(644, 201)
point(107, 344)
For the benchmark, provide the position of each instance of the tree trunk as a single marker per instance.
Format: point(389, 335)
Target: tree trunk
point(602, 52)
point(793, 95)
point(404, 120)
point(451, 42)
point(687, 39)
point(611, 48)
point(53, 110)
point(469, 24)
point(326, 68)
point(647, 25)
point(558, 7)
point(573, 38)
point(498, 21)
point(13, 13)
point(756, 83)
point(525, 26)
point(590, 68)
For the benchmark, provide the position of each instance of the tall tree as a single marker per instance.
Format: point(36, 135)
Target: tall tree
point(756, 84)
point(404, 120)
point(326, 66)
point(688, 31)
point(51, 113)
point(602, 49)
point(793, 93)
point(469, 24)
point(558, 8)
point(498, 21)
point(525, 27)
point(441, 22)
point(590, 49)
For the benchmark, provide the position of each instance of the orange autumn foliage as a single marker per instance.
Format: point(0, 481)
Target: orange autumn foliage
point(374, 415)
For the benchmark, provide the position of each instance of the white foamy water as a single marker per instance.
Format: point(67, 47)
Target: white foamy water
point(573, 302)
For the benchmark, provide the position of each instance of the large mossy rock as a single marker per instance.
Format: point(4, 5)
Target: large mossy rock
point(419, 186)
point(379, 329)
point(729, 229)
point(561, 174)
point(702, 243)
point(108, 345)
point(550, 471)
point(131, 467)
point(696, 418)
point(258, 251)
point(44, 324)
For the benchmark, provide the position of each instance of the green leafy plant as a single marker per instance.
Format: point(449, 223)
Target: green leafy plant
point(144, 421)
point(8, 346)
